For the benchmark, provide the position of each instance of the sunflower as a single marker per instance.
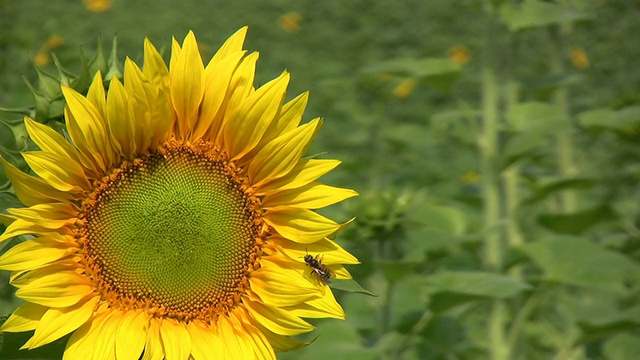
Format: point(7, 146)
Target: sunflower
point(175, 221)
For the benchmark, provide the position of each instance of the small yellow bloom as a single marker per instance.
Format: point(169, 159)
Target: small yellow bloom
point(405, 88)
point(579, 58)
point(290, 22)
point(43, 57)
point(98, 5)
point(459, 54)
point(470, 177)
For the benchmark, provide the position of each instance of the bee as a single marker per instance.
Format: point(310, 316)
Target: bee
point(320, 270)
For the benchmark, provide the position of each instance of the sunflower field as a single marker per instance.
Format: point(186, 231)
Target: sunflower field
point(437, 180)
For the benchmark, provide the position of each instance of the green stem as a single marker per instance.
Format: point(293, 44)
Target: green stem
point(490, 184)
point(564, 143)
point(385, 310)
point(424, 321)
point(523, 315)
point(383, 315)
point(511, 175)
point(488, 148)
point(512, 199)
point(499, 349)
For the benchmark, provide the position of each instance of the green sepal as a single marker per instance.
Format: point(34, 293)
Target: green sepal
point(65, 77)
point(48, 85)
point(99, 62)
point(41, 103)
point(115, 68)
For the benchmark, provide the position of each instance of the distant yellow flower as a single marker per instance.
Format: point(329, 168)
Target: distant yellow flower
point(579, 58)
point(470, 177)
point(290, 22)
point(405, 88)
point(98, 5)
point(173, 221)
point(43, 56)
point(459, 54)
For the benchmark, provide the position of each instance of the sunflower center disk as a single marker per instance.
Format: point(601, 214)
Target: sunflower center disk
point(174, 231)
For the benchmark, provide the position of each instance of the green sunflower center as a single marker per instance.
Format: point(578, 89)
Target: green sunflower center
point(173, 230)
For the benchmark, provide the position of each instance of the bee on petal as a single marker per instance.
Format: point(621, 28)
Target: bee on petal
point(318, 269)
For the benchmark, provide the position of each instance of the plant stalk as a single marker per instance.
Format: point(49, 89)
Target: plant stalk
point(491, 183)
point(511, 175)
point(564, 143)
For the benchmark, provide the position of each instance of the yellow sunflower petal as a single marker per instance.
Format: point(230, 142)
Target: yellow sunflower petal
point(233, 45)
point(278, 157)
point(84, 341)
point(131, 335)
point(340, 272)
point(97, 96)
point(106, 346)
point(58, 322)
point(280, 285)
point(160, 120)
point(61, 173)
point(281, 343)
point(303, 173)
point(187, 85)
point(331, 252)
point(153, 346)
point(205, 342)
point(148, 109)
point(26, 317)
point(48, 140)
point(161, 114)
point(154, 67)
point(249, 122)
point(240, 87)
point(34, 253)
point(217, 79)
point(290, 116)
point(81, 344)
point(259, 343)
point(46, 216)
point(303, 273)
point(254, 347)
point(87, 130)
point(22, 227)
point(46, 211)
point(120, 118)
point(235, 347)
point(242, 82)
point(175, 53)
point(59, 289)
point(27, 277)
point(300, 225)
point(176, 341)
point(277, 320)
point(320, 307)
point(32, 190)
point(280, 124)
point(312, 196)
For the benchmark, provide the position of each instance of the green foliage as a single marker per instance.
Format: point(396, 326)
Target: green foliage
point(439, 73)
point(531, 14)
point(577, 261)
point(405, 113)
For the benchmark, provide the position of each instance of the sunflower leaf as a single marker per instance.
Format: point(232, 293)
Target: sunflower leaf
point(351, 286)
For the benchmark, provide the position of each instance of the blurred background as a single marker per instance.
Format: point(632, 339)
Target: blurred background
point(495, 146)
